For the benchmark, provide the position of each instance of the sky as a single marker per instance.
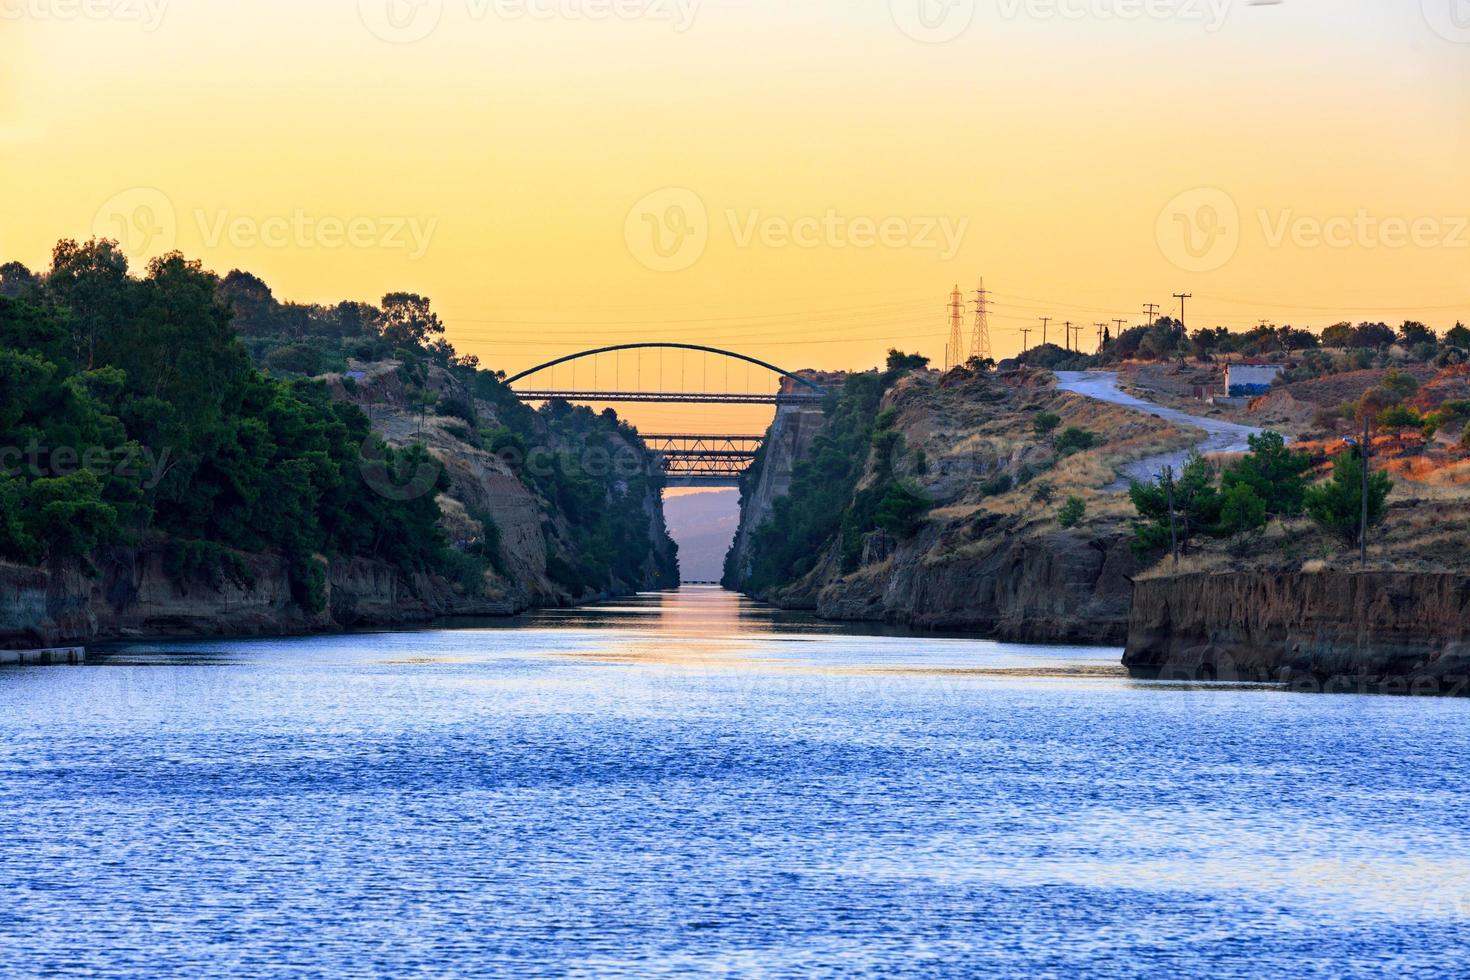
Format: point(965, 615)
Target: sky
point(801, 181)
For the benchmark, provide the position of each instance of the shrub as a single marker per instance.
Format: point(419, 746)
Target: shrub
point(1072, 512)
point(997, 485)
point(1046, 423)
point(309, 584)
point(1400, 417)
point(1075, 440)
point(452, 406)
point(1044, 493)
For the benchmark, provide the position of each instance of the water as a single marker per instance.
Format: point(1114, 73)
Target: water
point(689, 784)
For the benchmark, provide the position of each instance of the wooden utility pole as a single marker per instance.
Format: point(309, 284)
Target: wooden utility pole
point(1151, 310)
point(1173, 528)
point(1025, 339)
point(1100, 328)
point(1181, 297)
point(1363, 528)
point(1068, 339)
point(1044, 322)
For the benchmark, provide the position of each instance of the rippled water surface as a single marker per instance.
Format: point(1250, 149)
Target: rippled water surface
point(689, 784)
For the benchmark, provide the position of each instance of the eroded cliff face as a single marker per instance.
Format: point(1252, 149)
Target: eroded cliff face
point(134, 595)
point(1372, 631)
point(1050, 587)
point(989, 557)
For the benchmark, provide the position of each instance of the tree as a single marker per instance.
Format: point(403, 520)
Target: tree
point(1242, 511)
point(1374, 335)
point(1046, 423)
point(1274, 474)
point(1072, 512)
point(251, 300)
point(901, 363)
point(1339, 335)
point(408, 320)
point(1392, 390)
point(1337, 504)
point(16, 280)
point(1293, 339)
point(902, 508)
point(1196, 507)
point(1413, 332)
point(90, 281)
point(1458, 336)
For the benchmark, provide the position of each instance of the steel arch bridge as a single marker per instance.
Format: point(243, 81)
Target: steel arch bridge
point(689, 459)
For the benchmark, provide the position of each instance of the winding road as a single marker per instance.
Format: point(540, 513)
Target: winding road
point(1219, 436)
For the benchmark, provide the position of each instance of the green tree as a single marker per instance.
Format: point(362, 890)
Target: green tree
point(1072, 512)
point(1196, 508)
point(902, 508)
point(1242, 511)
point(1275, 474)
point(1046, 423)
point(408, 320)
point(1458, 336)
point(1337, 504)
point(900, 362)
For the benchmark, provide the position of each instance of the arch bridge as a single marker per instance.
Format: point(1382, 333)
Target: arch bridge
point(688, 459)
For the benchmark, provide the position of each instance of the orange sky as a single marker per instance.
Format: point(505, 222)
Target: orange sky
point(803, 182)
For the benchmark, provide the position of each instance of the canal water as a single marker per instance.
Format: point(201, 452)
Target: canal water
point(691, 784)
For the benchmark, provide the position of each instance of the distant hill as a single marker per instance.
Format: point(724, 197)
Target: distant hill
point(703, 525)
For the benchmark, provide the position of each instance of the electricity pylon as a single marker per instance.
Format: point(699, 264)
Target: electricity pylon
point(980, 342)
point(956, 327)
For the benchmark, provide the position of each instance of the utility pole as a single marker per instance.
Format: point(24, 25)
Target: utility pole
point(1363, 528)
point(1044, 321)
point(1152, 310)
point(1181, 297)
point(1025, 339)
point(956, 327)
point(1120, 323)
point(1068, 339)
point(980, 342)
point(1100, 328)
point(1173, 529)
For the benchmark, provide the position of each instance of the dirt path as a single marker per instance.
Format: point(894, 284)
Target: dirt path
point(1218, 436)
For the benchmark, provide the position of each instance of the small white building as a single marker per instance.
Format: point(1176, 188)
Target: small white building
point(1247, 380)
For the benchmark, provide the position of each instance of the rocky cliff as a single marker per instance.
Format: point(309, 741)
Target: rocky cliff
point(990, 555)
point(788, 440)
point(1373, 631)
point(134, 594)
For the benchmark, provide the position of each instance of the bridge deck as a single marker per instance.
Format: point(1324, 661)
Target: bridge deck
point(666, 397)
